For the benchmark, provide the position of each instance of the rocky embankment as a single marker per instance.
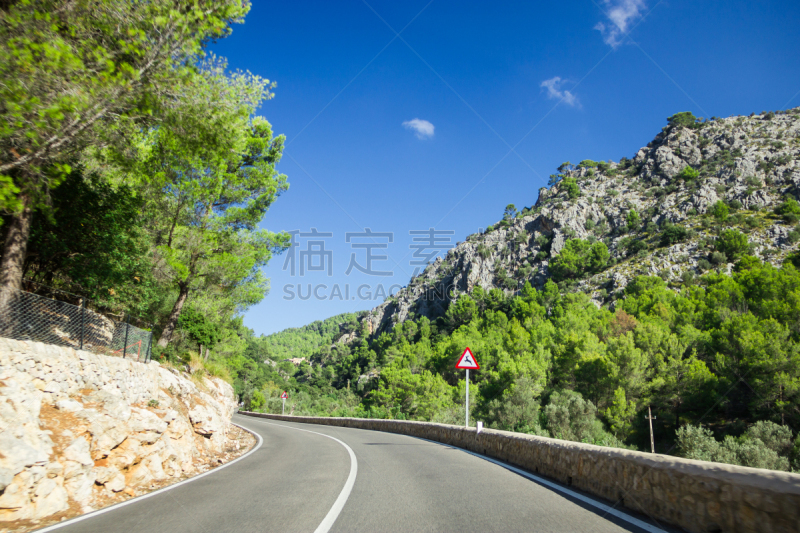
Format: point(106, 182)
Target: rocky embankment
point(79, 431)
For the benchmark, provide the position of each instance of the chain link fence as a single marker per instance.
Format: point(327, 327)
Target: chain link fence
point(31, 317)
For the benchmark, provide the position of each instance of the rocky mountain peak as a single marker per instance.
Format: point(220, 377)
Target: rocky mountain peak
point(658, 213)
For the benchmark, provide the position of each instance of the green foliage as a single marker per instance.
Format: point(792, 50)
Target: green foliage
point(578, 258)
point(91, 241)
point(673, 233)
point(307, 340)
point(789, 210)
point(571, 186)
point(91, 75)
point(719, 211)
point(199, 327)
point(510, 212)
point(733, 244)
point(688, 174)
point(684, 119)
point(632, 219)
point(748, 450)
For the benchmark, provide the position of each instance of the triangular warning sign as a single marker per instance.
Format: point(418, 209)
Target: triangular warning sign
point(467, 361)
point(284, 395)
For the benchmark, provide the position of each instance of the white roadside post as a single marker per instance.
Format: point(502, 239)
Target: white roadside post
point(467, 362)
point(283, 402)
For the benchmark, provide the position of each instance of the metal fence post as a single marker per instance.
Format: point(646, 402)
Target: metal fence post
point(83, 311)
point(149, 348)
point(125, 345)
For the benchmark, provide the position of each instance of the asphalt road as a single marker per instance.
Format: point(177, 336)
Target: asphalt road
point(295, 479)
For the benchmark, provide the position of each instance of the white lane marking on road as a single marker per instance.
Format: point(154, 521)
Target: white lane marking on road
point(154, 493)
point(594, 503)
point(338, 505)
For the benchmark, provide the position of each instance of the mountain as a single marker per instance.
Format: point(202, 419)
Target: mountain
point(306, 340)
point(676, 209)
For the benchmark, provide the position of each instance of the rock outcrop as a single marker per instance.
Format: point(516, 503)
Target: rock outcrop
point(79, 430)
point(750, 162)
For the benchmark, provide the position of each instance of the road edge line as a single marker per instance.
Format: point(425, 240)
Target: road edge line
point(338, 505)
point(155, 492)
point(555, 486)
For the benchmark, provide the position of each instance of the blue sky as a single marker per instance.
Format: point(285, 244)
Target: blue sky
point(399, 133)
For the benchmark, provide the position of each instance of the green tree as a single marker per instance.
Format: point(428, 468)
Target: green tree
point(216, 168)
point(579, 257)
point(789, 210)
point(684, 119)
point(510, 212)
point(91, 241)
point(571, 186)
point(733, 244)
point(688, 174)
point(633, 220)
point(81, 73)
point(673, 233)
point(719, 210)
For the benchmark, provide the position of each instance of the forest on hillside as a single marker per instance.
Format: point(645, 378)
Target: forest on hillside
point(717, 361)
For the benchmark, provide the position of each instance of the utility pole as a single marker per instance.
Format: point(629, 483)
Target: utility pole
point(650, 418)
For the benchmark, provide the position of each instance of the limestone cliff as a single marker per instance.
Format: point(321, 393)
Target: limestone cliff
point(80, 430)
point(750, 163)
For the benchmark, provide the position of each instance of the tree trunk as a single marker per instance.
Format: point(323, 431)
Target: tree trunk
point(16, 247)
point(172, 321)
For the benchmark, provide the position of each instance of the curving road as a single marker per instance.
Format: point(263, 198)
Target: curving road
point(319, 478)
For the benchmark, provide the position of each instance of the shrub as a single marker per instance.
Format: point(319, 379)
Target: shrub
point(703, 265)
point(688, 174)
point(789, 210)
point(794, 258)
point(719, 210)
point(794, 235)
point(733, 244)
point(632, 220)
point(684, 119)
point(748, 450)
point(571, 186)
point(718, 258)
point(752, 181)
point(735, 204)
point(579, 257)
point(518, 409)
point(673, 233)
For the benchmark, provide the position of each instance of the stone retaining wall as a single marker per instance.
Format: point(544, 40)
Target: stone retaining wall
point(696, 495)
point(79, 430)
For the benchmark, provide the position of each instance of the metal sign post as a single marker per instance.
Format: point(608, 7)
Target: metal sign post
point(466, 362)
point(283, 402)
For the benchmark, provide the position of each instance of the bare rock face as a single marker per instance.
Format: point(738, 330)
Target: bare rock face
point(81, 427)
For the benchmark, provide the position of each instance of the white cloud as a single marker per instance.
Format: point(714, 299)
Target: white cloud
point(553, 86)
point(422, 128)
point(621, 14)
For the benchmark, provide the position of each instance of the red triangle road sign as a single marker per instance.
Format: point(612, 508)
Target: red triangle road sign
point(467, 361)
point(284, 395)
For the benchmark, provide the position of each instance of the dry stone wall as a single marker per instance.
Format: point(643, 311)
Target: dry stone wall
point(79, 430)
point(696, 495)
